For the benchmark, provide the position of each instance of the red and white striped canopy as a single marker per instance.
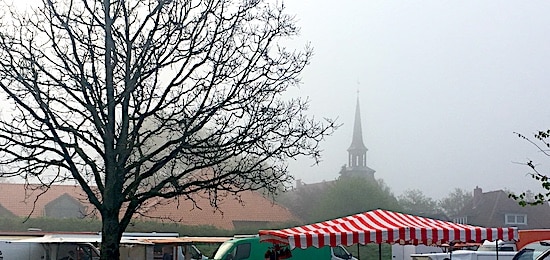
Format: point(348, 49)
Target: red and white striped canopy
point(382, 226)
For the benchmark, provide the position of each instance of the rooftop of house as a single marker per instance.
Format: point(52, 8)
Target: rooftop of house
point(490, 208)
point(30, 200)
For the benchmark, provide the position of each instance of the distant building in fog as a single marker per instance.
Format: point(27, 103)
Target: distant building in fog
point(303, 199)
point(252, 210)
point(357, 152)
point(496, 209)
point(357, 158)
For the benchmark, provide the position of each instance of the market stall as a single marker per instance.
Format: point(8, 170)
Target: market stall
point(383, 226)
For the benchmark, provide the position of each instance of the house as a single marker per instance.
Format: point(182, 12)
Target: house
point(496, 209)
point(69, 201)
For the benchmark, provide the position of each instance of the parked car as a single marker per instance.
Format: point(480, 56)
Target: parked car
point(534, 251)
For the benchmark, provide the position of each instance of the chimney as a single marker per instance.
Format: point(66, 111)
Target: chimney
point(478, 193)
point(299, 183)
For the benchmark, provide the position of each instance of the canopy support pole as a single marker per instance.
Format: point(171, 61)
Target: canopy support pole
point(496, 241)
point(380, 251)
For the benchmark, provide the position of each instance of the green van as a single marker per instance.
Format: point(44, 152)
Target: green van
point(251, 248)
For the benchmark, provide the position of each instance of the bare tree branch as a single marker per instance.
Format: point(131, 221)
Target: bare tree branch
point(145, 101)
point(527, 197)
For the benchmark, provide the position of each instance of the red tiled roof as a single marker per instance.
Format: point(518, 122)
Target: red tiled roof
point(253, 207)
point(20, 200)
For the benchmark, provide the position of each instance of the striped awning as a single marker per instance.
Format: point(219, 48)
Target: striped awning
point(382, 226)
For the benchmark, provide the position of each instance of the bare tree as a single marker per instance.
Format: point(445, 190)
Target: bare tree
point(143, 100)
point(455, 201)
point(413, 201)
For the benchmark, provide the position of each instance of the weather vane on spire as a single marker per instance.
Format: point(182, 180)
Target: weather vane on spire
point(358, 83)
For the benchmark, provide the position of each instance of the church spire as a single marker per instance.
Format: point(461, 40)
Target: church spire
point(357, 150)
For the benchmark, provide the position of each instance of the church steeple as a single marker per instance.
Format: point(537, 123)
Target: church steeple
point(357, 151)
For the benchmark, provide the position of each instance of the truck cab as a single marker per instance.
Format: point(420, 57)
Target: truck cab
point(246, 248)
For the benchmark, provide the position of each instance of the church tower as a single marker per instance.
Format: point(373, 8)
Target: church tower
point(357, 152)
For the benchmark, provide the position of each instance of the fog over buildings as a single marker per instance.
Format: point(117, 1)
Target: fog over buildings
point(443, 86)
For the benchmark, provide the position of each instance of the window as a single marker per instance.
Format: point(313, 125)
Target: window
point(515, 219)
point(195, 254)
point(461, 220)
point(340, 252)
point(242, 251)
point(546, 255)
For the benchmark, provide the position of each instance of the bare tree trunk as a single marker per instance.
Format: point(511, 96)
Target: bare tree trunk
point(109, 242)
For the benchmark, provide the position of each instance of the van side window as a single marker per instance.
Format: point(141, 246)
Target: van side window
point(242, 251)
point(194, 253)
point(340, 252)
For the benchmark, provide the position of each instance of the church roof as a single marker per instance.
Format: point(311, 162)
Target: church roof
point(357, 139)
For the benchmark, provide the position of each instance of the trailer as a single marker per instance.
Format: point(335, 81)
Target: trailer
point(177, 248)
point(21, 250)
point(61, 246)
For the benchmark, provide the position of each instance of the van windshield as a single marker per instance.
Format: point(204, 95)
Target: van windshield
point(222, 250)
point(532, 251)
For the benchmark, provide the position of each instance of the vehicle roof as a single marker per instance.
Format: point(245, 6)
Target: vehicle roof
point(55, 239)
point(543, 244)
point(500, 242)
point(186, 240)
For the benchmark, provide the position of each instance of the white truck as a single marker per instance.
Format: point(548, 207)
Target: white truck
point(404, 252)
point(19, 250)
point(487, 251)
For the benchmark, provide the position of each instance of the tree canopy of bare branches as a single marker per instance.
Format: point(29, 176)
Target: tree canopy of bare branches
point(141, 100)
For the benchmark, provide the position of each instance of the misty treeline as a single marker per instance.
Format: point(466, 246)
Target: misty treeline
point(351, 195)
point(142, 102)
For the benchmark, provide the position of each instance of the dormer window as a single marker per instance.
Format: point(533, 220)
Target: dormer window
point(515, 219)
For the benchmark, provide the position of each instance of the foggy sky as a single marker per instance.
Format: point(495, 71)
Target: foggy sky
point(443, 86)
